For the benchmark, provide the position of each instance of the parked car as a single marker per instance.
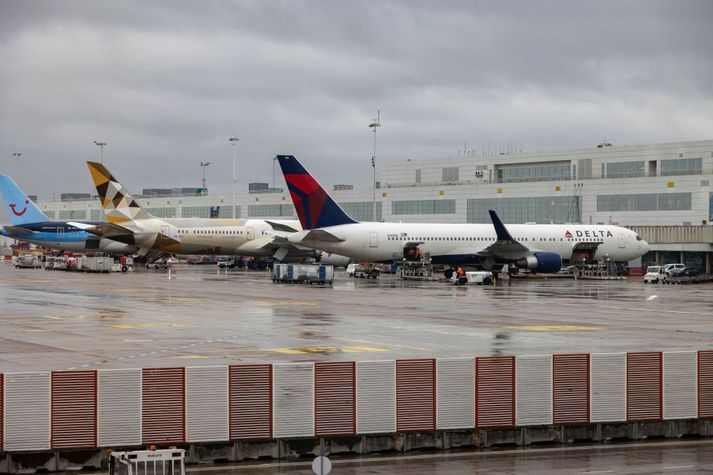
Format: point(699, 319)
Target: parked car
point(654, 275)
point(668, 268)
point(157, 264)
point(686, 272)
point(226, 262)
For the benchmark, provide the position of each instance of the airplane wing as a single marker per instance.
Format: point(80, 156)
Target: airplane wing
point(104, 229)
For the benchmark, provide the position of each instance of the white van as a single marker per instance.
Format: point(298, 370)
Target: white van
point(654, 275)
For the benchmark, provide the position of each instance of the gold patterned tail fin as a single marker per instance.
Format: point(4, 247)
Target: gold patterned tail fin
point(119, 206)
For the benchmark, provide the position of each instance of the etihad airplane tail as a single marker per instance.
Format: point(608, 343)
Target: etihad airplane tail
point(19, 206)
point(119, 206)
point(315, 208)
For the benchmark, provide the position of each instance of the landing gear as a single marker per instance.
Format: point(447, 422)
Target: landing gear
point(448, 273)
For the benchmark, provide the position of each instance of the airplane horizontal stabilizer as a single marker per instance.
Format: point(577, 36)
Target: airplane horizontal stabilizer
point(282, 227)
point(321, 235)
point(19, 230)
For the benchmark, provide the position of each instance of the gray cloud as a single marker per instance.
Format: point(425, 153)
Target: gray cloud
point(166, 83)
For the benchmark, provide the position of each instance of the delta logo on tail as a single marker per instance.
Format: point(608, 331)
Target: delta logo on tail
point(13, 208)
point(314, 206)
point(568, 234)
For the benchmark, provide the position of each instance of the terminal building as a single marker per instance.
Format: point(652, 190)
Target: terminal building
point(662, 191)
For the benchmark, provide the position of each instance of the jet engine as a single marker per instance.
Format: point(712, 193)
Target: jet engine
point(543, 262)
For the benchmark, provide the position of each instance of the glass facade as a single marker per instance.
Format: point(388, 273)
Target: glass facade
point(271, 211)
point(538, 209)
point(549, 172)
point(362, 210)
point(168, 212)
point(209, 211)
point(450, 175)
point(50, 214)
point(423, 207)
point(68, 214)
point(644, 202)
point(625, 169)
point(97, 215)
point(682, 166)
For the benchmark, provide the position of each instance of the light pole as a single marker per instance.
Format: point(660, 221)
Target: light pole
point(101, 146)
point(234, 140)
point(203, 165)
point(375, 124)
point(17, 155)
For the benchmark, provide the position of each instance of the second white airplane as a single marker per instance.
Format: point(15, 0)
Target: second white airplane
point(536, 247)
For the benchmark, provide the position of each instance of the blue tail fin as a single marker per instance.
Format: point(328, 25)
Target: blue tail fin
point(20, 208)
point(315, 208)
point(500, 230)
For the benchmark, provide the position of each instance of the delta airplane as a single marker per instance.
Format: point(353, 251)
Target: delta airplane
point(536, 247)
point(29, 224)
point(129, 223)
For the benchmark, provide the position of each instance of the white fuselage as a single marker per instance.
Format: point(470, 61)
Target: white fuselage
point(377, 242)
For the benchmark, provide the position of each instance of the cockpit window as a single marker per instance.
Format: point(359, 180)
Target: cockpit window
point(638, 238)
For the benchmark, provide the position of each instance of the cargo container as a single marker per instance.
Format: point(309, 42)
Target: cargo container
point(303, 274)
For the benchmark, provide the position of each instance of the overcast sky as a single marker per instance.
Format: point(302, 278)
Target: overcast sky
point(167, 83)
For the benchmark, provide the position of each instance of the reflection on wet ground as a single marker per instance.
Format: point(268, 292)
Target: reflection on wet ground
point(58, 320)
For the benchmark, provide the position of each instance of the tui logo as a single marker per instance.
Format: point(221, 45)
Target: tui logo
point(13, 208)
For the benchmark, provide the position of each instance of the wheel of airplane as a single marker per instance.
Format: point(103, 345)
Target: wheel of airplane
point(448, 273)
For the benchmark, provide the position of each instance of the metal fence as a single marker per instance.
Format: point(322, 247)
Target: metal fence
point(72, 410)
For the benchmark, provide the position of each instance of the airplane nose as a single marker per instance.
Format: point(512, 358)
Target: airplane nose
point(645, 246)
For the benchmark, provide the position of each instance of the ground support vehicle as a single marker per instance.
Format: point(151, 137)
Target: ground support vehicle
point(28, 261)
point(473, 277)
point(363, 271)
point(303, 274)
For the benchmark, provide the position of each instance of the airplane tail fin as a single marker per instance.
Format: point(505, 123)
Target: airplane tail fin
point(315, 208)
point(119, 206)
point(20, 208)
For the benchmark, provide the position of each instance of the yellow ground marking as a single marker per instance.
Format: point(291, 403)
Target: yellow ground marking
point(189, 357)
point(34, 330)
point(135, 290)
point(407, 347)
point(326, 349)
point(280, 303)
point(552, 328)
point(146, 326)
point(107, 315)
point(52, 317)
point(166, 298)
point(652, 297)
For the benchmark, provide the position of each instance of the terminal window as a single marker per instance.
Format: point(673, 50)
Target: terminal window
point(271, 211)
point(685, 166)
point(162, 212)
point(537, 209)
point(625, 169)
point(550, 172)
point(423, 207)
point(362, 210)
point(67, 214)
point(644, 202)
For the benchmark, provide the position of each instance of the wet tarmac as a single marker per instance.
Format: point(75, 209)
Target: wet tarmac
point(54, 320)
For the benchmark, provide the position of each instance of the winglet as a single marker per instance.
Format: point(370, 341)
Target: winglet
point(314, 206)
point(500, 230)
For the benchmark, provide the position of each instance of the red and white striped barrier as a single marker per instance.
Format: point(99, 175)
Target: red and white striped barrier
point(130, 407)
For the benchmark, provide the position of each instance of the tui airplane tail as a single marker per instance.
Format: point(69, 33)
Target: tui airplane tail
point(315, 208)
point(20, 208)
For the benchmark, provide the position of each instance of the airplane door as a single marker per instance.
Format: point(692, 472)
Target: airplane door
point(373, 239)
point(60, 234)
point(250, 233)
point(622, 242)
point(165, 230)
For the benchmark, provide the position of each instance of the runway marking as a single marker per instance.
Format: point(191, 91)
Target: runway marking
point(553, 328)
point(189, 357)
point(395, 345)
point(327, 349)
point(135, 290)
point(147, 326)
point(52, 317)
point(34, 330)
point(281, 303)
